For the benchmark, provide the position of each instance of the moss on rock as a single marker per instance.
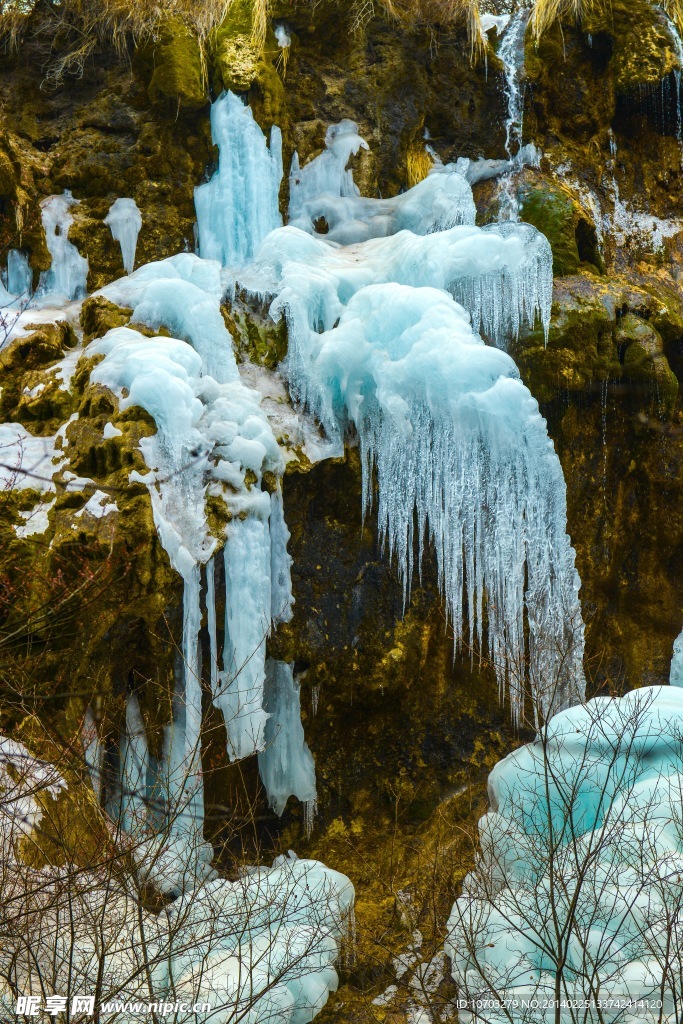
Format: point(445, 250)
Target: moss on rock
point(178, 73)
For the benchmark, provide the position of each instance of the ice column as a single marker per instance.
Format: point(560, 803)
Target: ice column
point(238, 207)
point(247, 625)
point(286, 763)
point(124, 221)
point(19, 274)
point(69, 270)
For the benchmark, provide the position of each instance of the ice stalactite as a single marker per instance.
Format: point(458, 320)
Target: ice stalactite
point(286, 764)
point(239, 205)
point(462, 458)
point(125, 221)
point(68, 271)
point(442, 200)
point(328, 173)
point(93, 752)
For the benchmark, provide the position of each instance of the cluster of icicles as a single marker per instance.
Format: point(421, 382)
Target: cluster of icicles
point(383, 314)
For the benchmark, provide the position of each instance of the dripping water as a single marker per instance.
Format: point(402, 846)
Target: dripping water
point(511, 54)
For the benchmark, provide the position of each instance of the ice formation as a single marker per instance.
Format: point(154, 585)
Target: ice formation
point(262, 947)
point(125, 221)
point(239, 205)
point(68, 271)
point(327, 174)
point(502, 275)
point(19, 274)
point(429, 401)
point(442, 200)
point(286, 764)
point(211, 434)
point(577, 892)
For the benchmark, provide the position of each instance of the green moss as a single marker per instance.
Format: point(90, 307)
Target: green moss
point(234, 56)
point(178, 67)
point(256, 336)
point(99, 315)
point(643, 52)
point(554, 213)
point(581, 348)
point(645, 365)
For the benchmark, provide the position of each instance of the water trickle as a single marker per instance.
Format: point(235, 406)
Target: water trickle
point(511, 53)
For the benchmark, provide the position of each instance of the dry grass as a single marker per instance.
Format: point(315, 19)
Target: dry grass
point(441, 12)
point(546, 12)
point(418, 164)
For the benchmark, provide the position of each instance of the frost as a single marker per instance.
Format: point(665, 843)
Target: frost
point(98, 506)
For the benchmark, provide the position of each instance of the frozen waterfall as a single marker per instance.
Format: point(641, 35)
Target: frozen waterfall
point(462, 458)
point(239, 205)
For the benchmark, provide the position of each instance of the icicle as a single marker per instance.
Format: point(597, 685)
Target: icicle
point(676, 671)
point(124, 221)
point(280, 562)
point(315, 699)
point(69, 270)
point(286, 764)
point(211, 623)
point(238, 207)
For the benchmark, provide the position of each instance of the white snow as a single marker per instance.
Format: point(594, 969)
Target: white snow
point(110, 431)
point(125, 221)
point(98, 506)
point(239, 205)
point(27, 461)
